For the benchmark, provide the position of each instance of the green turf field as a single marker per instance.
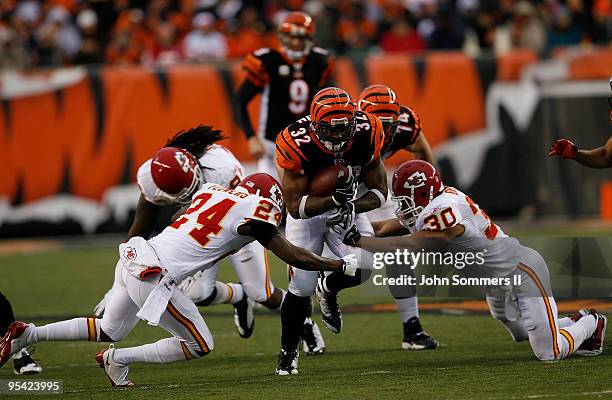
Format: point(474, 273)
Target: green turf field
point(477, 358)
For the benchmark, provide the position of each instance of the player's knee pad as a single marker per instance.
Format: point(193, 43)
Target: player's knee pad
point(108, 334)
point(544, 355)
point(497, 307)
point(257, 294)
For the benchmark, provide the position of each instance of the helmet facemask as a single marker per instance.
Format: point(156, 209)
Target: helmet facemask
point(336, 135)
point(295, 55)
point(406, 211)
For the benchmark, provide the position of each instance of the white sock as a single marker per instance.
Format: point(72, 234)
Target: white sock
point(72, 329)
point(228, 293)
point(564, 322)
point(408, 308)
point(582, 329)
point(161, 352)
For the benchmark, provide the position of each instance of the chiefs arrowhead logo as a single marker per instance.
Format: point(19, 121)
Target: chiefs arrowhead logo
point(130, 253)
point(415, 180)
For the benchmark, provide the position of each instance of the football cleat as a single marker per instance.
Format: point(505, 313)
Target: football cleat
point(313, 343)
point(330, 310)
point(243, 318)
point(24, 364)
point(287, 362)
point(593, 346)
point(13, 340)
point(578, 314)
point(116, 373)
point(415, 338)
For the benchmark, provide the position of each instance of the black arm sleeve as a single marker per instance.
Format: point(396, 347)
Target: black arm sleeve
point(247, 91)
point(263, 231)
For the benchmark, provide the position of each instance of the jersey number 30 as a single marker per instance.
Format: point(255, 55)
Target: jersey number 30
point(209, 219)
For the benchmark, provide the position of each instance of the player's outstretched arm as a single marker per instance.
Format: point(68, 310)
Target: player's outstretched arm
point(421, 240)
point(295, 187)
point(144, 219)
point(271, 239)
point(600, 157)
point(375, 178)
point(421, 149)
point(390, 227)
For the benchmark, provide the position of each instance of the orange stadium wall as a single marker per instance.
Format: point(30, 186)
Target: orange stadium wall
point(88, 135)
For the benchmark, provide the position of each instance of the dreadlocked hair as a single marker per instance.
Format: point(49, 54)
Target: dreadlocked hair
point(196, 140)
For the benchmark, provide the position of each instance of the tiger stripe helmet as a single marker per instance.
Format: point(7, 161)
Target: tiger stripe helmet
point(296, 24)
point(332, 112)
point(381, 101)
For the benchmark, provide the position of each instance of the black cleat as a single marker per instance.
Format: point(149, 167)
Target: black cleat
point(24, 364)
point(287, 363)
point(415, 338)
point(243, 318)
point(330, 310)
point(313, 343)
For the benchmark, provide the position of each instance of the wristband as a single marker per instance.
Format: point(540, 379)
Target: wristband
point(302, 207)
point(382, 197)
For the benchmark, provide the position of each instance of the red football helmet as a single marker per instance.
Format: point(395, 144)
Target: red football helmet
point(381, 101)
point(177, 173)
point(332, 112)
point(296, 35)
point(263, 185)
point(415, 183)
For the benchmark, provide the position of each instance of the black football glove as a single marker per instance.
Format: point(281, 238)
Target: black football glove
point(342, 218)
point(346, 187)
point(351, 236)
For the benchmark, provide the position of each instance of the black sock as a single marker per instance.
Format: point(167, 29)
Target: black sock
point(336, 281)
point(293, 314)
point(6, 314)
point(413, 326)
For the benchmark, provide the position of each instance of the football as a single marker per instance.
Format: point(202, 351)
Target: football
point(324, 182)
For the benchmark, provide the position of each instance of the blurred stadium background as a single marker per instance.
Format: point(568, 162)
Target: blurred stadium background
point(90, 89)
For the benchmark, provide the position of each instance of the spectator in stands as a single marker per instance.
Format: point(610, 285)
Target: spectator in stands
point(129, 38)
point(204, 43)
point(524, 31)
point(355, 30)
point(447, 33)
point(166, 49)
point(246, 34)
point(91, 48)
point(564, 32)
point(58, 39)
point(401, 38)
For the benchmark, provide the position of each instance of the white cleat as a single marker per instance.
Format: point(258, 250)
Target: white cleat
point(116, 373)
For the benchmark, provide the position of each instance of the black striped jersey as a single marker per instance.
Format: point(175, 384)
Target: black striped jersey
point(299, 150)
point(287, 86)
point(406, 133)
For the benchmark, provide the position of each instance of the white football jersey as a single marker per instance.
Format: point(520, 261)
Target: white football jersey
point(218, 165)
point(501, 252)
point(207, 232)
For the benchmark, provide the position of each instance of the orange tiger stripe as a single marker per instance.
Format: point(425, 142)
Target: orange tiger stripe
point(186, 351)
point(551, 318)
point(189, 325)
point(569, 339)
point(91, 330)
point(286, 138)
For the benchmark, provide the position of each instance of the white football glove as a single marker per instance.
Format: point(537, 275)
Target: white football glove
point(101, 306)
point(351, 263)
